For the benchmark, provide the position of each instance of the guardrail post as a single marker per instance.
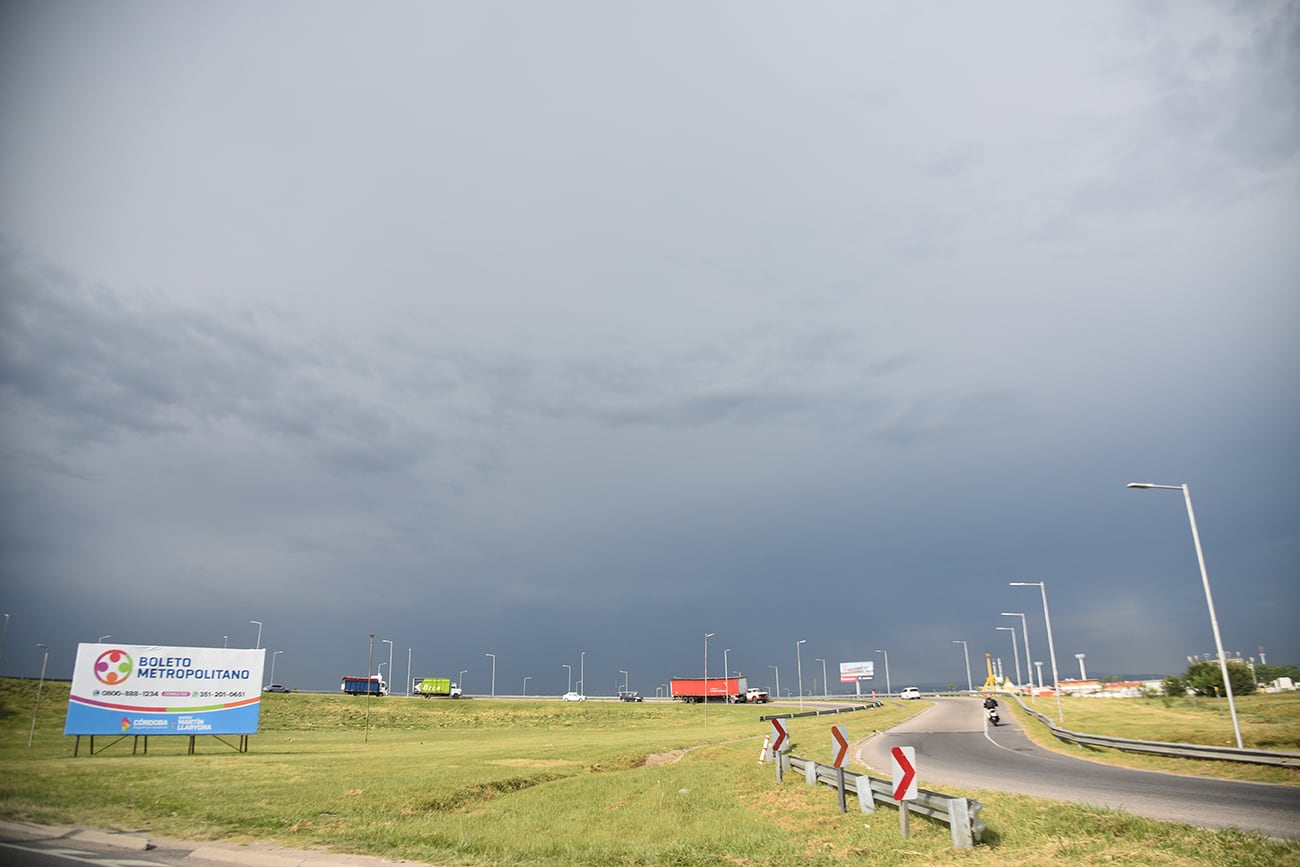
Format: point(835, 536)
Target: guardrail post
point(866, 800)
point(810, 773)
point(781, 759)
point(959, 823)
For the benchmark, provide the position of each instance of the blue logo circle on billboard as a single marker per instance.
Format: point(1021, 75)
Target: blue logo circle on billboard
point(113, 667)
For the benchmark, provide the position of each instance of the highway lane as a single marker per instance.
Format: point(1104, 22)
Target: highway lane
point(956, 746)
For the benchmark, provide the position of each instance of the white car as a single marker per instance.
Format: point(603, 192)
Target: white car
point(573, 696)
point(910, 692)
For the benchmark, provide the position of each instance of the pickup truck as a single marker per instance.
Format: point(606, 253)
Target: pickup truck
point(756, 695)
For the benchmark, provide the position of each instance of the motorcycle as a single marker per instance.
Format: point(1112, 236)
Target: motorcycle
point(993, 715)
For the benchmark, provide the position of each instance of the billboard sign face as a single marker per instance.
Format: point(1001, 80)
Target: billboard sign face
point(851, 672)
point(134, 689)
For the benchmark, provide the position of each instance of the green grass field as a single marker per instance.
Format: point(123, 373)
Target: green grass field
point(540, 782)
point(1268, 722)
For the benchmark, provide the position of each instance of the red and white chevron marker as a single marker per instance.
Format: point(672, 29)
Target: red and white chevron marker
point(779, 736)
point(839, 744)
point(904, 773)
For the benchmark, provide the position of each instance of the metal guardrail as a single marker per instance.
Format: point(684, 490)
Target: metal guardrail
point(1163, 748)
point(823, 712)
point(961, 815)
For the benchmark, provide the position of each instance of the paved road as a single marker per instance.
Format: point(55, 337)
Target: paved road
point(956, 746)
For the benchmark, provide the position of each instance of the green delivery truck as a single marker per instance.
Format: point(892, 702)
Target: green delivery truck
point(437, 686)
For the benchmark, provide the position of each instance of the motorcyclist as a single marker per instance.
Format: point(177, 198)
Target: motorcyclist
point(990, 703)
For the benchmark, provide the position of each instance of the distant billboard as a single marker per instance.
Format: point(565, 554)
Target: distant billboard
point(134, 689)
point(852, 672)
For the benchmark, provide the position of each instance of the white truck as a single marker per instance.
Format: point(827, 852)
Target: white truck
point(756, 695)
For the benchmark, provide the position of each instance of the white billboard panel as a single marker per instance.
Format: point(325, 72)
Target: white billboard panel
point(851, 672)
point(152, 690)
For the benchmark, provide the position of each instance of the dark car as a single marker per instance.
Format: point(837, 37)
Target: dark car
point(629, 696)
point(276, 687)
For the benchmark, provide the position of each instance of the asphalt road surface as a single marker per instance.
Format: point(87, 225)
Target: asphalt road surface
point(955, 745)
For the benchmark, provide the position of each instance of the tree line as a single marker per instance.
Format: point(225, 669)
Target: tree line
point(1204, 677)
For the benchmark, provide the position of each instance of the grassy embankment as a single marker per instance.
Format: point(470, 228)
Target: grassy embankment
point(1268, 722)
point(515, 782)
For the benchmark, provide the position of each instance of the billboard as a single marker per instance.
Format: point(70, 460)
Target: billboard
point(134, 689)
point(852, 672)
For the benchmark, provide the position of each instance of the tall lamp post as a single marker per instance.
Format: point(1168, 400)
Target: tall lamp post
point(389, 642)
point(370, 666)
point(707, 636)
point(460, 681)
point(799, 663)
point(409, 683)
point(970, 685)
point(582, 672)
point(1209, 599)
point(1051, 648)
point(103, 638)
point(625, 679)
point(258, 646)
point(1024, 627)
point(494, 673)
point(526, 677)
point(273, 656)
point(778, 679)
point(889, 689)
point(569, 669)
point(1083, 672)
point(39, 685)
point(1014, 649)
point(726, 664)
point(826, 686)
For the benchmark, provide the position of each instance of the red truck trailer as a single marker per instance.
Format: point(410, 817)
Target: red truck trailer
point(697, 689)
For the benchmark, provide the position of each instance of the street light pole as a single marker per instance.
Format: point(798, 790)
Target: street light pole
point(370, 666)
point(569, 668)
point(707, 636)
point(826, 684)
point(778, 679)
point(102, 637)
point(798, 659)
point(1024, 627)
point(526, 685)
point(1209, 598)
point(726, 664)
point(1014, 650)
point(1083, 672)
point(970, 685)
point(888, 687)
point(409, 683)
point(494, 673)
point(1051, 648)
point(258, 646)
point(625, 677)
point(273, 656)
point(460, 681)
point(582, 672)
point(39, 686)
point(389, 642)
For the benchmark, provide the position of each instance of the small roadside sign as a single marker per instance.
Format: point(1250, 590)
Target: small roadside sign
point(904, 766)
point(780, 739)
point(839, 745)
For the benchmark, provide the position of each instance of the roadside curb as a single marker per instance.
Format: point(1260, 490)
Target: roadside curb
point(134, 842)
point(261, 859)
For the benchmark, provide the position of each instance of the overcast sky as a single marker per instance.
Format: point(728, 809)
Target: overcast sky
point(538, 329)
